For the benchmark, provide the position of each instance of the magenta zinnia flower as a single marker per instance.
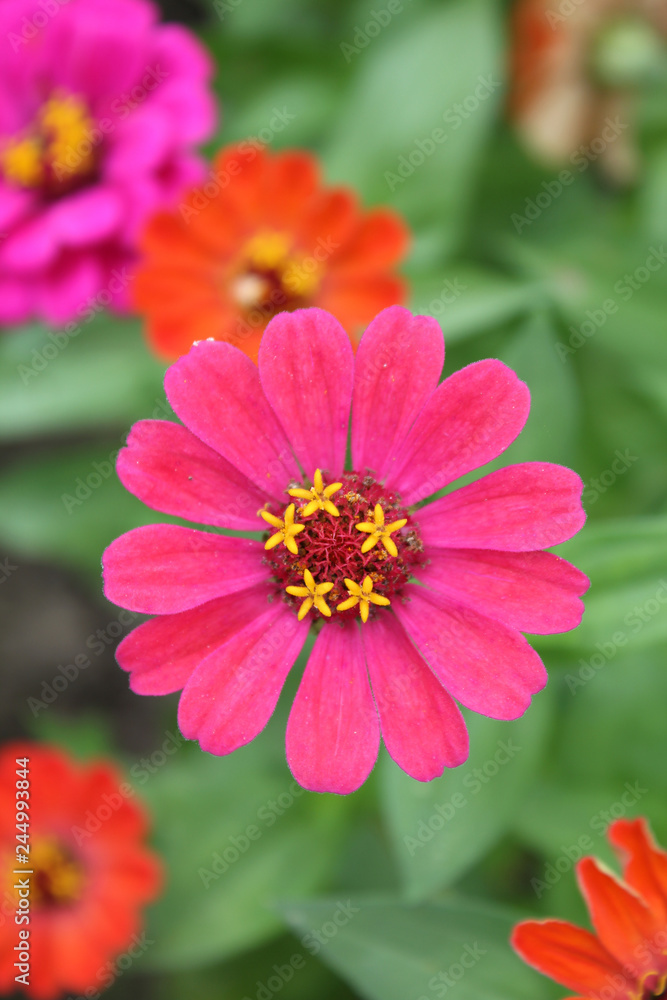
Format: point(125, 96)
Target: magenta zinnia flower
point(100, 107)
point(266, 448)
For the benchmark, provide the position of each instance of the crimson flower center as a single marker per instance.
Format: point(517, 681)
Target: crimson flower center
point(273, 276)
point(57, 877)
point(358, 543)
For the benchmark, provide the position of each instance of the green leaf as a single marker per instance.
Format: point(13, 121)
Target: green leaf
point(441, 828)
point(551, 432)
point(626, 608)
point(406, 87)
point(51, 383)
point(393, 951)
point(236, 834)
point(468, 300)
point(68, 506)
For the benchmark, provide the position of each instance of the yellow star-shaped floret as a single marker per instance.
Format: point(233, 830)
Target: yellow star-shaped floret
point(378, 531)
point(318, 497)
point(287, 529)
point(363, 596)
point(314, 594)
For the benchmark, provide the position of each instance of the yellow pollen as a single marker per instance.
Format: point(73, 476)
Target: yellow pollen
point(301, 277)
point(56, 146)
point(57, 877)
point(318, 496)
point(268, 251)
point(287, 529)
point(378, 531)
point(268, 258)
point(363, 596)
point(21, 162)
point(314, 595)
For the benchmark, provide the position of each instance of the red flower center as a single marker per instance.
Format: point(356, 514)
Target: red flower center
point(57, 878)
point(330, 546)
point(273, 277)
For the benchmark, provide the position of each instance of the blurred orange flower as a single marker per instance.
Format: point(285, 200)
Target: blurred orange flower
point(85, 878)
point(576, 70)
point(264, 236)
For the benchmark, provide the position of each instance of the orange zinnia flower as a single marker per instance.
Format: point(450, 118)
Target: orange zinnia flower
point(627, 957)
point(84, 874)
point(264, 236)
point(576, 70)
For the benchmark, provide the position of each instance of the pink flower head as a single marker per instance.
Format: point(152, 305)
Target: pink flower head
point(265, 447)
point(100, 107)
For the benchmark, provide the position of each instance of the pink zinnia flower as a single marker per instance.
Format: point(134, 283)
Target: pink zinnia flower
point(100, 107)
point(267, 445)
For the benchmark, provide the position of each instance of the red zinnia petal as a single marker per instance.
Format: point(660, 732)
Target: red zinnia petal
point(397, 367)
point(520, 508)
point(333, 732)
point(483, 407)
point(572, 956)
point(161, 569)
point(422, 728)
point(485, 665)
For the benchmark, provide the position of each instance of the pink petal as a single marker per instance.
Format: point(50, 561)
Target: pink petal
point(529, 591)
point(470, 419)
point(215, 390)
point(87, 216)
point(162, 653)
point(398, 364)
point(233, 692)
point(422, 727)
point(30, 247)
point(485, 665)
point(170, 470)
point(333, 732)
point(65, 290)
point(161, 569)
point(16, 300)
point(520, 508)
point(140, 143)
point(306, 366)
